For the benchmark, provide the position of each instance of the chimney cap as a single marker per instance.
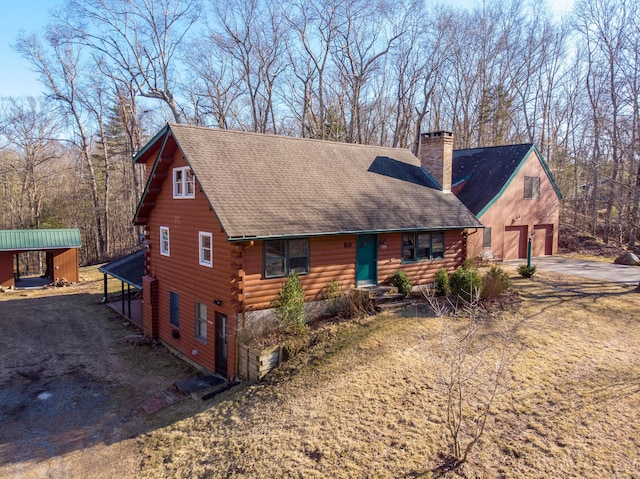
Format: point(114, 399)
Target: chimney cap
point(433, 134)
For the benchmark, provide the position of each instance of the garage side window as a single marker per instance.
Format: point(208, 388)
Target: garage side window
point(165, 248)
point(174, 309)
point(486, 237)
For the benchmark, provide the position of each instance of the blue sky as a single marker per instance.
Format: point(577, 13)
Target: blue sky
point(27, 15)
point(30, 16)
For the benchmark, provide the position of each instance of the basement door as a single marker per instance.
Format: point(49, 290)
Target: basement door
point(221, 344)
point(367, 260)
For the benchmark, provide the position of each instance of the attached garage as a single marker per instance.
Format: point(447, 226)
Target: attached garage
point(59, 245)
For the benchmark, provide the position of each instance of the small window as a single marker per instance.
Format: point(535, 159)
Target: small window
point(174, 309)
point(531, 187)
point(281, 257)
point(183, 183)
point(486, 237)
point(437, 245)
point(165, 247)
point(206, 249)
point(422, 246)
point(201, 322)
point(408, 247)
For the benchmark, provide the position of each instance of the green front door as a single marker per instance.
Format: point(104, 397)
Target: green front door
point(367, 260)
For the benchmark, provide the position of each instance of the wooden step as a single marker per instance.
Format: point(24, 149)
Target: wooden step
point(392, 305)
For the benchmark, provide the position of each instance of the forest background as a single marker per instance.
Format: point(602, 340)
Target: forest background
point(504, 72)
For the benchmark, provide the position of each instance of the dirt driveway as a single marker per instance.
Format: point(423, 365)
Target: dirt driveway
point(70, 378)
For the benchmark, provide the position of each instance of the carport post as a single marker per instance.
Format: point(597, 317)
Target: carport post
point(104, 297)
point(122, 296)
point(129, 300)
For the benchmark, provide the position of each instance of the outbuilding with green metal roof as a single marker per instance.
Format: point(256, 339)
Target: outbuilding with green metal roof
point(61, 247)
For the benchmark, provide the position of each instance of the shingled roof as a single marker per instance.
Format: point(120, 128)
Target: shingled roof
point(265, 186)
point(480, 175)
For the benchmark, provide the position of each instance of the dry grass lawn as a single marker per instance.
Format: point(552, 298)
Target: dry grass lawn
point(364, 403)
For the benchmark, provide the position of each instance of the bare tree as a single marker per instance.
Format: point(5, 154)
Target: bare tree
point(138, 39)
point(59, 66)
point(30, 127)
point(363, 38)
point(253, 35)
point(472, 370)
point(314, 26)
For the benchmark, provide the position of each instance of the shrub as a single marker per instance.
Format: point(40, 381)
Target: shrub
point(465, 283)
point(400, 280)
point(289, 305)
point(527, 271)
point(495, 283)
point(333, 296)
point(355, 304)
point(442, 283)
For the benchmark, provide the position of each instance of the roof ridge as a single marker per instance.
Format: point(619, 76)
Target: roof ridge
point(285, 137)
point(495, 146)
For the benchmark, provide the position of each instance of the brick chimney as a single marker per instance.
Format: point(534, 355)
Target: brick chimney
point(436, 156)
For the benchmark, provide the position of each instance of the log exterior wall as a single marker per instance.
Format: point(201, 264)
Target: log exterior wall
point(513, 212)
point(235, 285)
point(181, 273)
point(420, 272)
point(331, 260)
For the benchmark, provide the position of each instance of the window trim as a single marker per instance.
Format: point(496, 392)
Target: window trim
point(184, 183)
point(535, 192)
point(201, 249)
point(415, 257)
point(287, 258)
point(199, 322)
point(165, 251)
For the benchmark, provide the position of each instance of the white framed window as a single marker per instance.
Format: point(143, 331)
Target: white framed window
point(183, 183)
point(205, 241)
point(201, 322)
point(165, 245)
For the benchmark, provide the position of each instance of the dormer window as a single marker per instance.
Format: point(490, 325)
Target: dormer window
point(183, 183)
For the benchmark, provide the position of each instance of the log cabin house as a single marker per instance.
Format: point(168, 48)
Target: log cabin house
point(228, 215)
